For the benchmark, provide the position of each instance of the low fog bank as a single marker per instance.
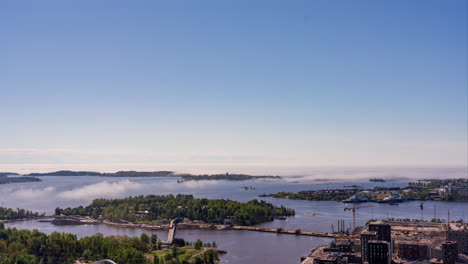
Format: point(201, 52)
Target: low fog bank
point(289, 172)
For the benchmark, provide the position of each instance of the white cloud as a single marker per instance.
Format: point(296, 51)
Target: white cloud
point(101, 189)
point(30, 193)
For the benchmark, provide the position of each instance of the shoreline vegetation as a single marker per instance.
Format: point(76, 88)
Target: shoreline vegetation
point(9, 214)
point(30, 247)
point(183, 176)
point(422, 190)
point(156, 209)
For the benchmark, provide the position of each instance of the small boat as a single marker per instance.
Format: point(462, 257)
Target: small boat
point(281, 217)
point(310, 213)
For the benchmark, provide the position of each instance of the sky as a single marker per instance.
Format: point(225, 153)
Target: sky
point(232, 84)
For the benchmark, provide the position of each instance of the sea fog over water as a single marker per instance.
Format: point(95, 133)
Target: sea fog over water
point(305, 173)
point(243, 246)
point(67, 191)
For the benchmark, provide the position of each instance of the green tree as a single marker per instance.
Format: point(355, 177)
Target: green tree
point(198, 244)
point(145, 238)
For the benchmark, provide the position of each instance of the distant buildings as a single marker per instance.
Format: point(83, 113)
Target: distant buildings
point(460, 193)
point(397, 242)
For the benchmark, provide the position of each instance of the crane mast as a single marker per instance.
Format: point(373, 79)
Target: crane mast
point(353, 209)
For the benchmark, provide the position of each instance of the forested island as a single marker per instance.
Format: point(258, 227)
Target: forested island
point(34, 247)
point(157, 208)
point(430, 189)
point(321, 195)
point(230, 177)
point(6, 179)
point(185, 177)
point(11, 214)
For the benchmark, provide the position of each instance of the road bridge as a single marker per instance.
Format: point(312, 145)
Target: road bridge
point(172, 231)
point(291, 232)
point(104, 261)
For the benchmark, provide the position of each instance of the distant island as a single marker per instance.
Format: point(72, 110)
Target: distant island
point(376, 180)
point(8, 174)
point(185, 177)
point(422, 190)
point(111, 174)
point(6, 179)
point(230, 177)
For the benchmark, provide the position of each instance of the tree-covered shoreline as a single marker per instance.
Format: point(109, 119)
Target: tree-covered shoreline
point(34, 247)
point(166, 207)
point(11, 214)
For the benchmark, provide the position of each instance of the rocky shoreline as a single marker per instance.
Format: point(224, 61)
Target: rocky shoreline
point(185, 224)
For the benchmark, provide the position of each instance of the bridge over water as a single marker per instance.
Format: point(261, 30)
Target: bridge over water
point(291, 232)
point(104, 261)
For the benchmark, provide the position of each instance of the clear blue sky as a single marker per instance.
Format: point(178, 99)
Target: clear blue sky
point(294, 83)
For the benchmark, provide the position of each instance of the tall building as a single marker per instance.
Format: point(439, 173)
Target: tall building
point(379, 252)
point(449, 252)
point(461, 237)
point(384, 231)
point(366, 236)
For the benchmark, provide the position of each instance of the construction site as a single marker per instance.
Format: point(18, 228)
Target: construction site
point(399, 242)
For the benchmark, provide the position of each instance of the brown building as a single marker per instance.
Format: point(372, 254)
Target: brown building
point(461, 237)
point(449, 252)
point(412, 250)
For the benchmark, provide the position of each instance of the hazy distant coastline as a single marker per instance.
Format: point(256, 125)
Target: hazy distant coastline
point(185, 177)
point(4, 179)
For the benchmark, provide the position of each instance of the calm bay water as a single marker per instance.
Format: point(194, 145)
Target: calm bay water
point(242, 246)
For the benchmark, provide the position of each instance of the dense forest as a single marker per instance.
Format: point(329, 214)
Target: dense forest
point(11, 214)
point(34, 247)
point(229, 177)
point(167, 207)
point(312, 195)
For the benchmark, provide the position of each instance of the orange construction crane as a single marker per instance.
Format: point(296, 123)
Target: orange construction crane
point(354, 212)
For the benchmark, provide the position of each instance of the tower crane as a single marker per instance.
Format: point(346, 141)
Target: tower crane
point(354, 212)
